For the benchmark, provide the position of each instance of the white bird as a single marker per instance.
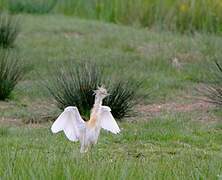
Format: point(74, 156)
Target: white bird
point(76, 129)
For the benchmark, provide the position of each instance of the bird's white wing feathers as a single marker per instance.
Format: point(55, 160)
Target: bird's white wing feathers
point(107, 120)
point(70, 122)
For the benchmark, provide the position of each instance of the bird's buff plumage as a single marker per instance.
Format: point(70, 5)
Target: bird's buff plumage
point(88, 132)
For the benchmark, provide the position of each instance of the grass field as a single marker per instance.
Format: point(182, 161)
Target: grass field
point(170, 144)
point(175, 15)
point(167, 147)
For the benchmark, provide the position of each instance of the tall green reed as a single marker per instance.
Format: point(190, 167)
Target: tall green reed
point(173, 15)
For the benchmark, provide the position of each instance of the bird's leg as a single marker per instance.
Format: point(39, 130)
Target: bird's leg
point(84, 145)
point(82, 149)
point(82, 142)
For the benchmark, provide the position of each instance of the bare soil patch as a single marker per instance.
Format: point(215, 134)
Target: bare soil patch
point(10, 121)
point(203, 108)
point(173, 107)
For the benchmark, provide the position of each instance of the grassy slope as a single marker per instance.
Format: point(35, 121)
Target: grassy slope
point(170, 146)
point(123, 51)
point(46, 40)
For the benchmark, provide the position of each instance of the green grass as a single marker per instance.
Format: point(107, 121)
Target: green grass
point(182, 16)
point(167, 147)
point(9, 30)
point(174, 15)
point(49, 40)
point(74, 85)
point(34, 6)
point(11, 72)
point(170, 146)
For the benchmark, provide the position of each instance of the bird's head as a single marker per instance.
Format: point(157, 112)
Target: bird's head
point(101, 92)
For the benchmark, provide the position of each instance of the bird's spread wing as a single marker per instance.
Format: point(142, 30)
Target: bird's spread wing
point(70, 122)
point(107, 120)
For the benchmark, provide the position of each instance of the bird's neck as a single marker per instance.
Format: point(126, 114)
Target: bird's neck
point(98, 102)
point(94, 114)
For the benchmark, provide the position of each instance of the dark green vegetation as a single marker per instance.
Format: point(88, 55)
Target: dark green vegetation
point(122, 97)
point(11, 72)
point(11, 69)
point(173, 15)
point(171, 145)
point(213, 91)
point(9, 30)
point(74, 85)
point(31, 6)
